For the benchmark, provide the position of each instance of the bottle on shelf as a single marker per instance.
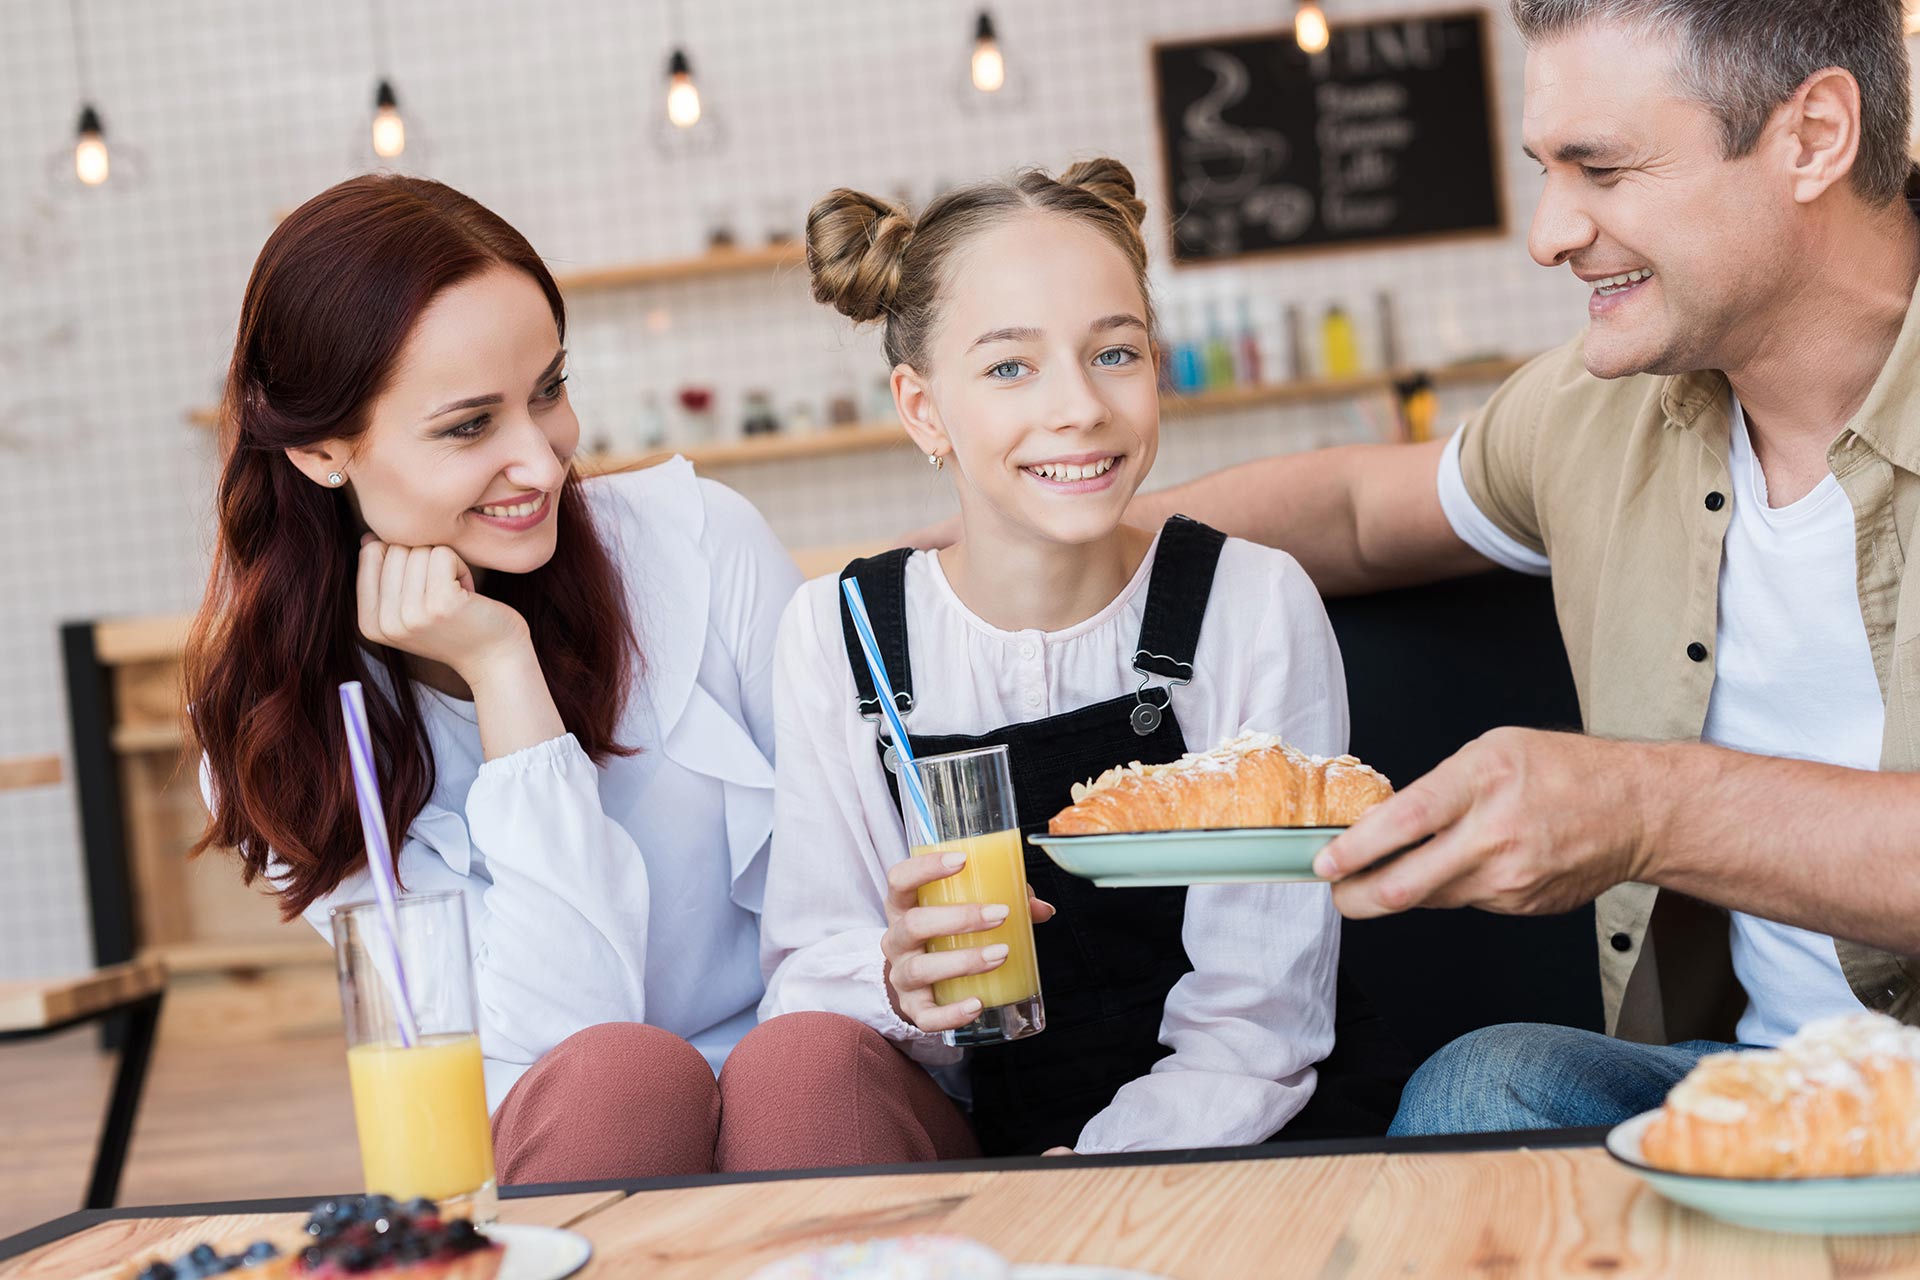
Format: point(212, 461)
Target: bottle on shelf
point(1389, 330)
point(1417, 403)
point(842, 409)
point(879, 404)
point(1219, 367)
point(650, 425)
point(700, 423)
point(1299, 366)
point(1189, 367)
point(1246, 347)
point(758, 419)
point(777, 219)
point(1339, 349)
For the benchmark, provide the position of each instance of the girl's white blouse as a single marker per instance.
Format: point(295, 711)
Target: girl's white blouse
point(1248, 1024)
point(628, 892)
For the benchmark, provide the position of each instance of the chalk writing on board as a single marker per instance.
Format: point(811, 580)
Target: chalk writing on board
point(1385, 134)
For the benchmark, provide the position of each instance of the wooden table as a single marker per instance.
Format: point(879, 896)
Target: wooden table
point(1487, 1205)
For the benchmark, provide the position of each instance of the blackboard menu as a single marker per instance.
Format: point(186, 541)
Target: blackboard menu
point(1386, 135)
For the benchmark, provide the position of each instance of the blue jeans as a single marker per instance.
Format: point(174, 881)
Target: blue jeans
point(1530, 1075)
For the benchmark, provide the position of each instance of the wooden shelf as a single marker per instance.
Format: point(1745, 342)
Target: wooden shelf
point(718, 262)
point(1319, 390)
point(822, 442)
point(869, 436)
point(706, 266)
point(132, 738)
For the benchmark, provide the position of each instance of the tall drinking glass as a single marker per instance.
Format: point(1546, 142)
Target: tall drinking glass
point(971, 796)
point(419, 1095)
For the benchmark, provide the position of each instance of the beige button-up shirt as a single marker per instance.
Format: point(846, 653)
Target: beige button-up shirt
point(1610, 480)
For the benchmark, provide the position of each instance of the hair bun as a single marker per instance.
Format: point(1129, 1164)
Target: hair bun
point(1110, 180)
point(855, 243)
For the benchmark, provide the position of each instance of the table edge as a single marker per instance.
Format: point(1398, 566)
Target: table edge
point(57, 1229)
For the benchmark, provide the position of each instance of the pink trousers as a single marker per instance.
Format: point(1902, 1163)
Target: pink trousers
point(804, 1091)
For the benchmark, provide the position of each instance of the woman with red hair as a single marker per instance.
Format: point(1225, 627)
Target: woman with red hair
point(568, 682)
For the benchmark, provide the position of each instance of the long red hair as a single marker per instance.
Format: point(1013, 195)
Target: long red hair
point(334, 294)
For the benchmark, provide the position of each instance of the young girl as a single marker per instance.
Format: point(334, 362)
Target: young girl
point(1021, 337)
point(398, 505)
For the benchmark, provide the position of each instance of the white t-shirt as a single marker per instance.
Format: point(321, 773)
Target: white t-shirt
point(1793, 677)
point(1248, 1024)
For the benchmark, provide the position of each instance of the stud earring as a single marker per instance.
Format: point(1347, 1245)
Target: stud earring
point(335, 479)
point(936, 461)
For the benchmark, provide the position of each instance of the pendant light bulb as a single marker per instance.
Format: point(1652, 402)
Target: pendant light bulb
point(90, 149)
point(389, 130)
point(1310, 28)
point(989, 66)
point(683, 99)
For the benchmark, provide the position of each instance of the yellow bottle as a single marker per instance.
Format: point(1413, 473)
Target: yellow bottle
point(995, 872)
point(1339, 350)
point(1417, 407)
point(422, 1117)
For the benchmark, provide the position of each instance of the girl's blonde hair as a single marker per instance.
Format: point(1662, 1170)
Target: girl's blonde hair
point(870, 259)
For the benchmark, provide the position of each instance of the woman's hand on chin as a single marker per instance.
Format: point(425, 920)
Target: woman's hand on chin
point(421, 601)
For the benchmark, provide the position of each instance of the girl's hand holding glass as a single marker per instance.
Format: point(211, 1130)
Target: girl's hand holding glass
point(912, 970)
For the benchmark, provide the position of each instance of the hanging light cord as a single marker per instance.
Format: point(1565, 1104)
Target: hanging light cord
point(80, 51)
point(377, 15)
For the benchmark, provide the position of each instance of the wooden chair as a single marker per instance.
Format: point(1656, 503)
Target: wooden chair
point(125, 996)
point(131, 992)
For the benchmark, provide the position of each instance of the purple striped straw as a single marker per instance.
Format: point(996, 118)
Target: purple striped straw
point(373, 827)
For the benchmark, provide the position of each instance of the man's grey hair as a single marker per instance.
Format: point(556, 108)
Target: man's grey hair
point(1743, 58)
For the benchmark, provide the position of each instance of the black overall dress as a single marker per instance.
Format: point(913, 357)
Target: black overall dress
point(1110, 957)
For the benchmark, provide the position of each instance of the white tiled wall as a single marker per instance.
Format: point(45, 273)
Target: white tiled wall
point(117, 305)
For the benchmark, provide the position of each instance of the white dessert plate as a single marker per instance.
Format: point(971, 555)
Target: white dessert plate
point(1237, 855)
point(539, 1253)
point(1879, 1205)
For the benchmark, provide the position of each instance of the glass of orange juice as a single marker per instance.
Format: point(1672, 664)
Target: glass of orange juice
point(413, 1052)
point(970, 794)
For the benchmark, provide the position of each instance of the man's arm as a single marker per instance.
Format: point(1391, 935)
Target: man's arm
point(1358, 518)
point(1812, 845)
point(1528, 823)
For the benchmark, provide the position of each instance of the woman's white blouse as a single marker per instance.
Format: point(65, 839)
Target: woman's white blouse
point(628, 892)
point(1248, 1024)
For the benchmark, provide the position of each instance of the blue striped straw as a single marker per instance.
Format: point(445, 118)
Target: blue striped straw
point(373, 827)
point(883, 686)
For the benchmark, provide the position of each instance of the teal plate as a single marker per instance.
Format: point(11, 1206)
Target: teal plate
point(1240, 855)
point(1883, 1205)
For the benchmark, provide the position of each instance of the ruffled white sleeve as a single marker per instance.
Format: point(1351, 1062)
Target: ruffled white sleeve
point(557, 923)
point(561, 940)
point(1247, 1025)
point(825, 907)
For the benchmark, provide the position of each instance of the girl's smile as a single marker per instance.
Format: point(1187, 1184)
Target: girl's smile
point(1086, 473)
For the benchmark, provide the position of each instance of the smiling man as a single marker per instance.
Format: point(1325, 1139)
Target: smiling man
point(1723, 477)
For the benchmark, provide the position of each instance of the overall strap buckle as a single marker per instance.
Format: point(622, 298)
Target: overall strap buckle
point(1177, 594)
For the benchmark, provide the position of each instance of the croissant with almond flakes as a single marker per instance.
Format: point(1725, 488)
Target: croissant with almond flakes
point(1255, 780)
point(1839, 1099)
